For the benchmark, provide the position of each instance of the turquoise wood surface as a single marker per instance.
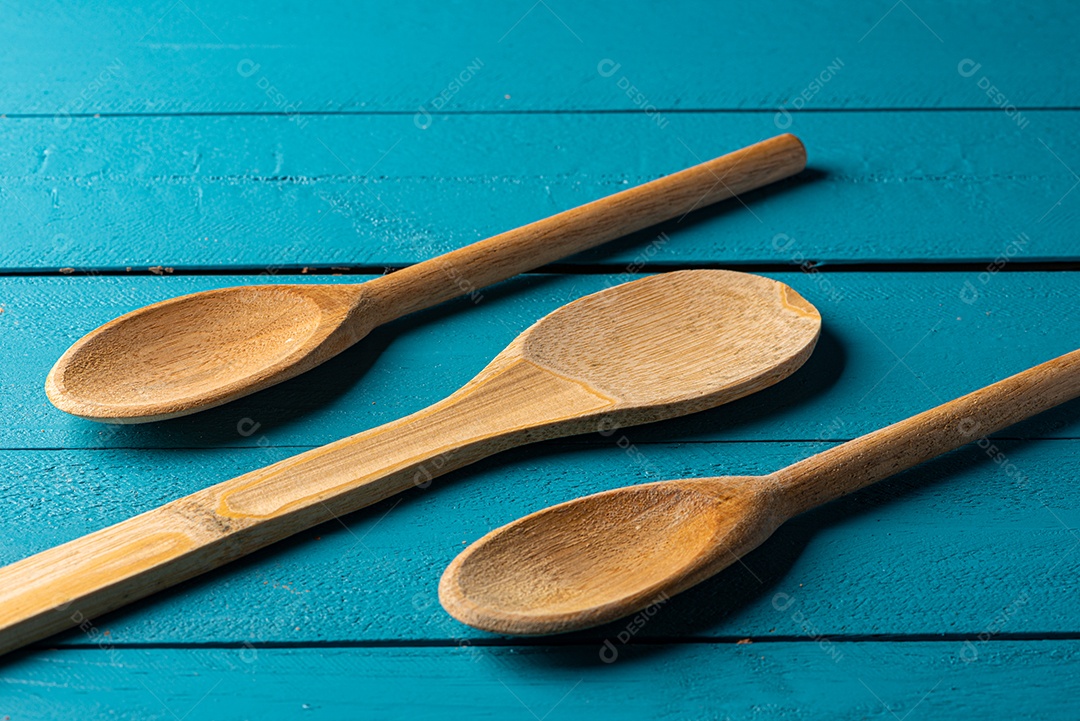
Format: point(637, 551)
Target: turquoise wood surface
point(240, 142)
point(166, 56)
point(342, 191)
point(799, 681)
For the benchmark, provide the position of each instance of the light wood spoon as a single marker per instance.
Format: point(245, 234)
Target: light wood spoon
point(202, 350)
point(599, 558)
point(655, 348)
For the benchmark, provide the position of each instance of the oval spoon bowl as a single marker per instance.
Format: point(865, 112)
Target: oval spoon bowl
point(202, 350)
point(594, 559)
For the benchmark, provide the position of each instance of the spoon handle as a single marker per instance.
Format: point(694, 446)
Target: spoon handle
point(467, 269)
point(68, 585)
point(886, 452)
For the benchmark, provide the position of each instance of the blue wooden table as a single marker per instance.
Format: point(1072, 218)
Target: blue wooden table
point(158, 148)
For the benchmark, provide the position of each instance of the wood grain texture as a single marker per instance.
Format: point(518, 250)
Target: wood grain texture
point(790, 681)
point(200, 351)
point(261, 193)
point(160, 57)
point(854, 383)
point(966, 537)
point(647, 350)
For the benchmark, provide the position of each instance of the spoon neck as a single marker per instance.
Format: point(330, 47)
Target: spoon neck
point(890, 450)
point(427, 284)
point(515, 397)
point(501, 409)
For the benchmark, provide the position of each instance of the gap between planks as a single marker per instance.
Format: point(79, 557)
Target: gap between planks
point(964, 266)
point(539, 111)
point(555, 642)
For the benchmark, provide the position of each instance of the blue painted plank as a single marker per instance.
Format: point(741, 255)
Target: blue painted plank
point(894, 344)
point(342, 190)
point(761, 681)
point(243, 55)
point(943, 549)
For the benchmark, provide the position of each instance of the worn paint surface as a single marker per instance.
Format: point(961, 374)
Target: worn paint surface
point(759, 680)
point(373, 190)
point(252, 139)
point(244, 55)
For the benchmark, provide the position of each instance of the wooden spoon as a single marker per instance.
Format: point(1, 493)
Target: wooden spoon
point(601, 557)
point(655, 348)
point(201, 350)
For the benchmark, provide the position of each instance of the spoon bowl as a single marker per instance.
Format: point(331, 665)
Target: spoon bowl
point(678, 342)
point(594, 559)
point(201, 350)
